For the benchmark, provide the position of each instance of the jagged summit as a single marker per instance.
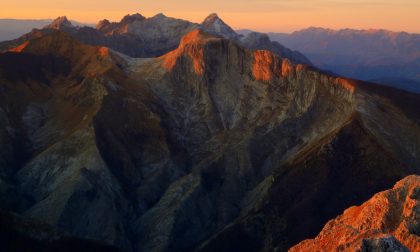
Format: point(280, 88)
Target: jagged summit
point(132, 18)
point(102, 24)
point(214, 24)
point(211, 18)
point(60, 23)
point(142, 37)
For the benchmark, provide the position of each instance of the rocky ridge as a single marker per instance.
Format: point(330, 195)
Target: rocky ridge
point(389, 221)
point(142, 37)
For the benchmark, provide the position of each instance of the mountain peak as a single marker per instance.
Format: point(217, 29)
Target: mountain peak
point(102, 24)
point(214, 24)
point(211, 18)
point(59, 23)
point(132, 18)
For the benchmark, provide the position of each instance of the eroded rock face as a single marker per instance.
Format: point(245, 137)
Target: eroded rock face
point(389, 221)
point(199, 149)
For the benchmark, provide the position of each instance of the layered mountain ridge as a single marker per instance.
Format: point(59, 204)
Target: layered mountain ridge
point(199, 149)
point(138, 36)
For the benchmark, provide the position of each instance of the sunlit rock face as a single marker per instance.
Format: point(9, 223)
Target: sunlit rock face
point(389, 221)
point(211, 146)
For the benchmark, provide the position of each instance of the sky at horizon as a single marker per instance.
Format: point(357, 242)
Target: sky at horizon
point(260, 15)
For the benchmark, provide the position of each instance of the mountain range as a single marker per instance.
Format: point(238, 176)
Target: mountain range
point(14, 28)
point(390, 58)
point(142, 37)
point(380, 56)
point(158, 134)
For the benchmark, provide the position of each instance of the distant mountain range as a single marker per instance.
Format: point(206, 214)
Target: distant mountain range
point(390, 58)
point(14, 28)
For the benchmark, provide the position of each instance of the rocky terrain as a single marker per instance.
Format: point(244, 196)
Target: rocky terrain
point(388, 57)
point(211, 146)
point(389, 221)
point(142, 37)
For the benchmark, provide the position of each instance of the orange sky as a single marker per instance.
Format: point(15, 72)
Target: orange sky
point(262, 15)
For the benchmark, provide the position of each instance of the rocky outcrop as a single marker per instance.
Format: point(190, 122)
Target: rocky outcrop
point(199, 149)
point(389, 221)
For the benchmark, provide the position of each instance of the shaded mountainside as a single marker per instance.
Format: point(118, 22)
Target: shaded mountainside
point(389, 221)
point(138, 36)
point(20, 234)
point(210, 146)
point(361, 54)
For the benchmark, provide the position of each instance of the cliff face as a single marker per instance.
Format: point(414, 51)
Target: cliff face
point(389, 221)
point(210, 146)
